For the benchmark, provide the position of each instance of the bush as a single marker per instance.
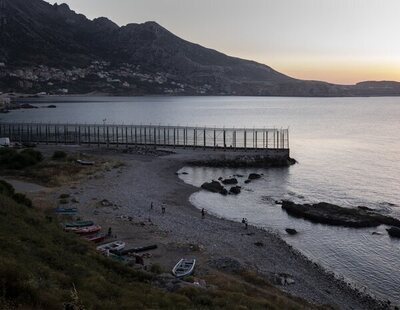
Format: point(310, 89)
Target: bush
point(64, 196)
point(156, 268)
point(59, 155)
point(6, 189)
point(22, 199)
point(11, 159)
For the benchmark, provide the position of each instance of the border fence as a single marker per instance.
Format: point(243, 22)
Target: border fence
point(147, 135)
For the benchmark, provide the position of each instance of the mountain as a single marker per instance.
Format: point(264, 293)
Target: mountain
point(51, 48)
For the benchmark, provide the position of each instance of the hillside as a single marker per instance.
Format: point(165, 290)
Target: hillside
point(42, 267)
point(53, 49)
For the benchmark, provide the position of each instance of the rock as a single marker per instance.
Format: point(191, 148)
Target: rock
point(377, 233)
point(259, 244)
point(282, 279)
point(326, 213)
point(224, 192)
point(365, 208)
point(213, 186)
point(254, 176)
point(394, 232)
point(230, 181)
point(247, 181)
point(235, 190)
point(220, 178)
point(51, 106)
point(238, 175)
point(291, 231)
point(184, 172)
point(277, 202)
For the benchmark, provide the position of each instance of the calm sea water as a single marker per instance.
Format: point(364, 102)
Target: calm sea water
point(348, 151)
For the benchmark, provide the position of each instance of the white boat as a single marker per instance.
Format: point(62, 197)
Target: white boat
point(112, 246)
point(85, 162)
point(184, 267)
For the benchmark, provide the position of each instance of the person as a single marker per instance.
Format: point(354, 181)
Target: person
point(246, 223)
point(163, 208)
point(109, 231)
point(203, 213)
point(151, 206)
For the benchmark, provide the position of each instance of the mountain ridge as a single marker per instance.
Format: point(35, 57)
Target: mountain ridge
point(51, 48)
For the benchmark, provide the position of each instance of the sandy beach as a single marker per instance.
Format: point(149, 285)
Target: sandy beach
point(181, 232)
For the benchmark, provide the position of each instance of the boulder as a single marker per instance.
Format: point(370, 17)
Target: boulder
point(230, 181)
point(235, 190)
point(247, 181)
point(212, 186)
point(394, 232)
point(291, 231)
point(224, 192)
point(254, 176)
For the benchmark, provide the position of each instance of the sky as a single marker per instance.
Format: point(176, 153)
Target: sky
point(339, 41)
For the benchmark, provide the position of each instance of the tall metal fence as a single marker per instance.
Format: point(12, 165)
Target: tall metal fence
point(156, 135)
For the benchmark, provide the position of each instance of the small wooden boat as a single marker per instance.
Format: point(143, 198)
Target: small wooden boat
point(184, 267)
point(96, 238)
point(85, 162)
point(112, 246)
point(394, 232)
point(61, 210)
point(78, 224)
point(134, 250)
point(85, 230)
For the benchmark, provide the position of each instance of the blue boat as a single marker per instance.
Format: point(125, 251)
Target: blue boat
point(61, 210)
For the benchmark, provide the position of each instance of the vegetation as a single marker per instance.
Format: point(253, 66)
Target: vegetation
point(42, 267)
point(59, 155)
point(13, 159)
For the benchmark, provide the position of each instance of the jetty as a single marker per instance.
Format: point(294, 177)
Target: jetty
point(264, 143)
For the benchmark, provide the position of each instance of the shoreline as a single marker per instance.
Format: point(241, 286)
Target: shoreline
point(154, 179)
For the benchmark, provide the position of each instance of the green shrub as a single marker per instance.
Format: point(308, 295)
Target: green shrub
point(11, 159)
point(59, 155)
point(6, 189)
point(22, 199)
point(156, 268)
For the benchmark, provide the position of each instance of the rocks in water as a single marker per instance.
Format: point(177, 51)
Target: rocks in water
point(278, 202)
point(235, 190)
point(184, 172)
point(291, 231)
point(51, 106)
point(238, 175)
point(224, 192)
point(247, 181)
point(213, 186)
point(326, 213)
point(376, 233)
point(254, 176)
point(230, 181)
point(394, 232)
point(220, 178)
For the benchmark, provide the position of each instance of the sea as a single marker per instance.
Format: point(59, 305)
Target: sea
point(348, 153)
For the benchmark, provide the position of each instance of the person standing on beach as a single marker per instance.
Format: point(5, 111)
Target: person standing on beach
point(151, 206)
point(163, 208)
point(203, 213)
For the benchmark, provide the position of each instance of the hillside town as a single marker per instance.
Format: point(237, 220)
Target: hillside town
point(98, 76)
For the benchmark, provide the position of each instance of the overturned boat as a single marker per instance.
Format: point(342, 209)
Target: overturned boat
point(184, 267)
point(96, 238)
point(84, 230)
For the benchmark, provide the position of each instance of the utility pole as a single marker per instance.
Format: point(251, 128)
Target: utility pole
point(3, 20)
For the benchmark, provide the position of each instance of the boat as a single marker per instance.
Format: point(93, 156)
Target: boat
point(394, 232)
point(62, 210)
point(85, 230)
point(78, 224)
point(184, 267)
point(96, 238)
point(134, 250)
point(112, 246)
point(85, 162)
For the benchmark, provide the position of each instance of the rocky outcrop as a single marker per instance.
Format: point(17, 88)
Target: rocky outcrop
point(291, 231)
point(230, 181)
point(394, 232)
point(235, 190)
point(212, 186)
point(330, 214)
point(254, 176)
